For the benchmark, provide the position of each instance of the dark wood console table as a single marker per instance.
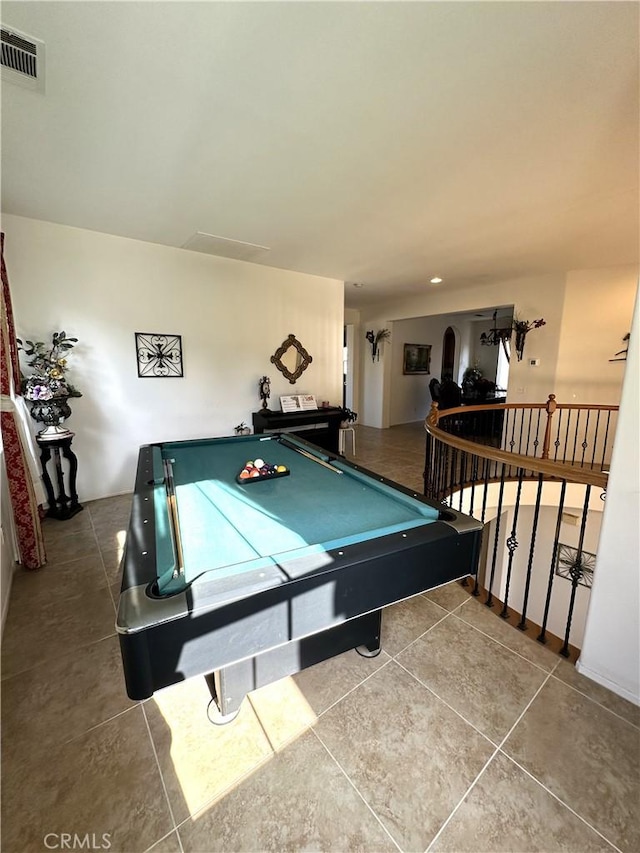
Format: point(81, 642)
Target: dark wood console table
point(320, 426)
point(62, 506)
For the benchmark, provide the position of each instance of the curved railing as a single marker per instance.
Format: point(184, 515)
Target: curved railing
point(534, 475)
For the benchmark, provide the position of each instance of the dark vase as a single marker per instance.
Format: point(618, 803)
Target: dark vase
point(521, 335)
point(52, 413)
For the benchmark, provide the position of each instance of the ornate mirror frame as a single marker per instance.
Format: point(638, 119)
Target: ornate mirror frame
point(305, 359)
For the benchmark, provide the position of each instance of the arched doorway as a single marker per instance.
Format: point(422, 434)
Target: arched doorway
point(448, 354)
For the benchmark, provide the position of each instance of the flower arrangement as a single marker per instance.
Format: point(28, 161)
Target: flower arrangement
point(522, 328)
point(375, 339)
point(526, 325)
point(49, 365)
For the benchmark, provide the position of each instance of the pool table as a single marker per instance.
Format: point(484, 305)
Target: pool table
point(246, 581)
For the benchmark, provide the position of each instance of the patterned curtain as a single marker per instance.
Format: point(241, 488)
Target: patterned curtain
point(26, 511)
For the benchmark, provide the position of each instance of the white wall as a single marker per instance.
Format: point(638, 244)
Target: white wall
point(611, 650)
point(409, 395)
point(598, 310)
point(587, 312)
point(532, 297)
point(232, 316)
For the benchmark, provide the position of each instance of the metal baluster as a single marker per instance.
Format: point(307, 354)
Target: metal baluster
point(463, 476)
point(474, 477)
point(556, 443)
point(606, 438)
point(566, 437)
point(542, 636)
point(585, 443)
point(576, 573)
point(529, 431)
point(522, 624)
point(485, 470)
point(452, 477)
point(427, 474)
point(489, 601)
point(512, 544)
point(575, 436)
point(523, 416)
point(536, 441)
point(595, 438)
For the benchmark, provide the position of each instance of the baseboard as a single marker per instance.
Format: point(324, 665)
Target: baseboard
point(606, 682)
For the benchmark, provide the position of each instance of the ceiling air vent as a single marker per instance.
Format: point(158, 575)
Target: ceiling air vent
point(22, 59)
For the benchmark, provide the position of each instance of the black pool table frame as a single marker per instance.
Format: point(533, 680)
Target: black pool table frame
point(249, 631)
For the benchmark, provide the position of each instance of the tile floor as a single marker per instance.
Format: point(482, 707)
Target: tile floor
point(463, 735)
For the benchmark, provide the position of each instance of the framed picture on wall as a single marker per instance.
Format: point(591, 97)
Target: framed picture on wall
point(417, 359)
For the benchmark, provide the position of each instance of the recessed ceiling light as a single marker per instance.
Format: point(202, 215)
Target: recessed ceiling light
point(436, 280)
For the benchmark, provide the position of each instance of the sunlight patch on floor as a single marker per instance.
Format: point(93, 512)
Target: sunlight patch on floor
point(203, 761)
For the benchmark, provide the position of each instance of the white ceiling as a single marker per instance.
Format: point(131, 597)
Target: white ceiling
point(382, 143)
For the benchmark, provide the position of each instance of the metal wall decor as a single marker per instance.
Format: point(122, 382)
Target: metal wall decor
point(495, 336)
point(291, 359)
point(376, 339)
point(622, 355)
point(575, 565)
point(159, 356)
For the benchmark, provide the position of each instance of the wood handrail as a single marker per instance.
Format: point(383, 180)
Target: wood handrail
point(541, 465)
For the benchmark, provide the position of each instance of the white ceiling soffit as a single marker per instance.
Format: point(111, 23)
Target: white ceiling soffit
point(210, 244)
point(22, 59)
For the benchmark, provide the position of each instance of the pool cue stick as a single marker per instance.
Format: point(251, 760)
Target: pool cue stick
point(311, 457)
point(173, 517)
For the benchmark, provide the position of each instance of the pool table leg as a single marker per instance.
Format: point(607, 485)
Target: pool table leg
point(230, 684)
point(373, 647)
point(214, 712)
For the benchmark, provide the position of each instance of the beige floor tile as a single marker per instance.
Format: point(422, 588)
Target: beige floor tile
point(168, 844)
point(111, 537)
point(115, 510)
point(567, 672)
point(114, 589)
point(486, 619)
point(450, 596)
point(298, 800)
point(289, 706)
point(61, 549)
point(508, 811)
point(585, 755)
point(31, 589)
point(55, 529)
point(199, 760)
point(404, 622)
point(112, 559)
point(54, 613)
point(485, 682)
point(61, 699)
point(105, 781)
point(410, 756)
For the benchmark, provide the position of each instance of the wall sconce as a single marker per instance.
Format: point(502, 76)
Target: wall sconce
point(375, 339)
